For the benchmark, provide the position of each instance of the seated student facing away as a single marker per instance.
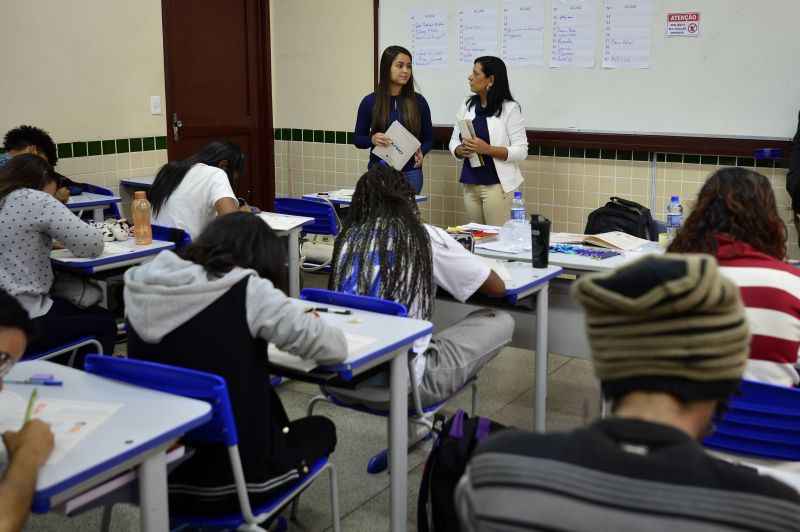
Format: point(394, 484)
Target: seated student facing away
point(26, 449)
point(188, 194)
point(669, 343)
point(30, 218)
point(736, 220)
point(385, 251)
point(29, 139)
point(214, 309)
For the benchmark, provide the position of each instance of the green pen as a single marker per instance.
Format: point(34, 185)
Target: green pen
point(29, 410)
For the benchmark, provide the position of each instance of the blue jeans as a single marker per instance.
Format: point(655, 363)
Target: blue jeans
point(414, 178)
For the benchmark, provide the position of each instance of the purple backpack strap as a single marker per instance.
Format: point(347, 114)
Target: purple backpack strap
point(457, 428)
point(484, 425)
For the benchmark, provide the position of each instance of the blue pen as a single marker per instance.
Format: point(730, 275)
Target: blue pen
point(36, 381)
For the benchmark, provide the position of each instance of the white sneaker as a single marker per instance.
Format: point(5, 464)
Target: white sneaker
point(108, 235)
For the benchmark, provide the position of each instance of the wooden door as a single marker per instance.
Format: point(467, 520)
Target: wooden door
point(218, 84)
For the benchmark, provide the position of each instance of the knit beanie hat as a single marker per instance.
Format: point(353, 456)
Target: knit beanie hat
point(669, 323)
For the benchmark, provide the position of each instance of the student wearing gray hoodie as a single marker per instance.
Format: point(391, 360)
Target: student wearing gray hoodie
point(214, 308)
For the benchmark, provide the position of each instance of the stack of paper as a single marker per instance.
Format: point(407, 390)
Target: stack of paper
point(404, 145)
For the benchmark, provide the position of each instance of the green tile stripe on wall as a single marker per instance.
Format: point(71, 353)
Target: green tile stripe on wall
point(90, 148)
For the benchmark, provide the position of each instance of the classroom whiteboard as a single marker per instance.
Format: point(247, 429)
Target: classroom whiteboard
point(740, 77)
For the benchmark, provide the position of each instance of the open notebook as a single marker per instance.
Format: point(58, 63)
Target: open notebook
point(356, 346)
point(611, 240)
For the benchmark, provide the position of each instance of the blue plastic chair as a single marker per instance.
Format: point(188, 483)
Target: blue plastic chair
point(326, 222)
point(172, 234)
point(764, 420)
point(418, 413)
point(221, 429)
point(73, 346)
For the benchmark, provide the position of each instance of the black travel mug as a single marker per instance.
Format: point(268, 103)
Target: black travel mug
point(540, 240)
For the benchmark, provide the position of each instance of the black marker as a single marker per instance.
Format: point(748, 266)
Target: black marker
point(329, 310)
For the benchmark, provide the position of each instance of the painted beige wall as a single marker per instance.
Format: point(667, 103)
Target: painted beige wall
point(322, 62)
point(82, 70)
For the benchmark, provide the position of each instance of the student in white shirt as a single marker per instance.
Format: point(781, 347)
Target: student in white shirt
point(384, 250)
point(189, 194)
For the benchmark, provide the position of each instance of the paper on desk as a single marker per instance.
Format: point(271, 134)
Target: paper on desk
point(356, 346)
point(404, 145)
point(282, 222)
point(500, 246)
point(498, 267)
point(472, 226)
point(70, 421)
point(468, 132)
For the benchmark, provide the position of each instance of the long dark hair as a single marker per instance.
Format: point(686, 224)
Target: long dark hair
point(739, 203)
point(25, 171)
point(172, 173)
point(384, 221)
point(238, 239)
point(407, 100)
point(499, 92)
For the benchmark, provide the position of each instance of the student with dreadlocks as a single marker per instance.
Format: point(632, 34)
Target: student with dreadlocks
point(384, 250)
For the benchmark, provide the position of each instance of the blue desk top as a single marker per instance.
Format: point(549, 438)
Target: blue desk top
point(146, 420)
point(525, 279)
point(346, 200)
point(90, 199)
point(116, 255)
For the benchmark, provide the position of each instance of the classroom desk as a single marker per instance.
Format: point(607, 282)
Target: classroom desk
point(525, 282)
point(393, 336)
point(89, 200)
point(130, 254)
point(566, 328)
point(289, 226)
point(136, 436)
point(138, 183)
point(343, 201)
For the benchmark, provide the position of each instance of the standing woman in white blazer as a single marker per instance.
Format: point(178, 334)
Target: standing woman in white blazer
point(500, 141)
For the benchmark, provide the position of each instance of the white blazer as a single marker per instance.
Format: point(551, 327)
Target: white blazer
point(507, 130)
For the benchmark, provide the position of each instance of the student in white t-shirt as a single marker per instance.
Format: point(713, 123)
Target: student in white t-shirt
point(384, 250)
point(189, 194)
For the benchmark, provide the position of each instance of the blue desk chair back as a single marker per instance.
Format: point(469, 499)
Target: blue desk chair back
point(221, 429)
point(172, 234)
point(419, 414)
point(764, 421)
point(316, 257)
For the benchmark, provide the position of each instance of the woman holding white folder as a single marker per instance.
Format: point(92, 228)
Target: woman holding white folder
point(395, 100)
point(494, 147)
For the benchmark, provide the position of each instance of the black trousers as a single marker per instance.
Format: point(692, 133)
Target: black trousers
point(66, 322)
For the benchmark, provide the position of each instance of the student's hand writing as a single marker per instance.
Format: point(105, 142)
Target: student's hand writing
point(418, 158)
point(379, 139)
point(477, 145)
point(463, 152)
point(35, 441)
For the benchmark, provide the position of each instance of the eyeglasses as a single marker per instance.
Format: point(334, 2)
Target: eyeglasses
point(6, 363)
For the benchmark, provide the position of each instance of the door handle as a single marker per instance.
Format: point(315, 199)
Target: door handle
point(176, 127)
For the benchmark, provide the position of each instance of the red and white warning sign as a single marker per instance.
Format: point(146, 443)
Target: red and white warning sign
point(683, 24)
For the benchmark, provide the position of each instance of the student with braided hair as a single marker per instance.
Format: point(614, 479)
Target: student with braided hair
point(384, 250)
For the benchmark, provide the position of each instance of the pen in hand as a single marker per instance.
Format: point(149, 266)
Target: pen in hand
point(29, 410)
point(343, 312)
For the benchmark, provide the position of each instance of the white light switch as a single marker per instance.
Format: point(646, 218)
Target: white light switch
point(155, 105)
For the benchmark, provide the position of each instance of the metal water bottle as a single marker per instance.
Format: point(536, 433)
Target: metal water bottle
point(540, 241)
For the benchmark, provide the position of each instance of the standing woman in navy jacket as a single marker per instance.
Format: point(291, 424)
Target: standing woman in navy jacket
point(395, 99)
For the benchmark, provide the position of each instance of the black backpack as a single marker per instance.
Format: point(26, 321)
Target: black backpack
point(622, 215)
point(455, 443)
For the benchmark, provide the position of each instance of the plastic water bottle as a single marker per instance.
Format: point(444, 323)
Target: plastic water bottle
point(140, 207)
point(674, 217)
point(519, 228)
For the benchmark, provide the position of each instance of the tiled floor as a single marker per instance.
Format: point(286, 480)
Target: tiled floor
point(506, 395)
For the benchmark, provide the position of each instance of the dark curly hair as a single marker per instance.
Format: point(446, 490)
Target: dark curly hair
point(739, 203)
point(23, 136)
point(383, 224)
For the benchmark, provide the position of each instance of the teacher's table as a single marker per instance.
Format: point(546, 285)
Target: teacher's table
point(566, 325)
point(388, 339)
point(143, 425)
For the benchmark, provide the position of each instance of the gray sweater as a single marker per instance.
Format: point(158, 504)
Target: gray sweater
point(167, 292)
point(29, 221)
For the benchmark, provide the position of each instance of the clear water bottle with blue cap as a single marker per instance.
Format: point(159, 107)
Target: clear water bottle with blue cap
point(516, 231)
point(674, 217)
